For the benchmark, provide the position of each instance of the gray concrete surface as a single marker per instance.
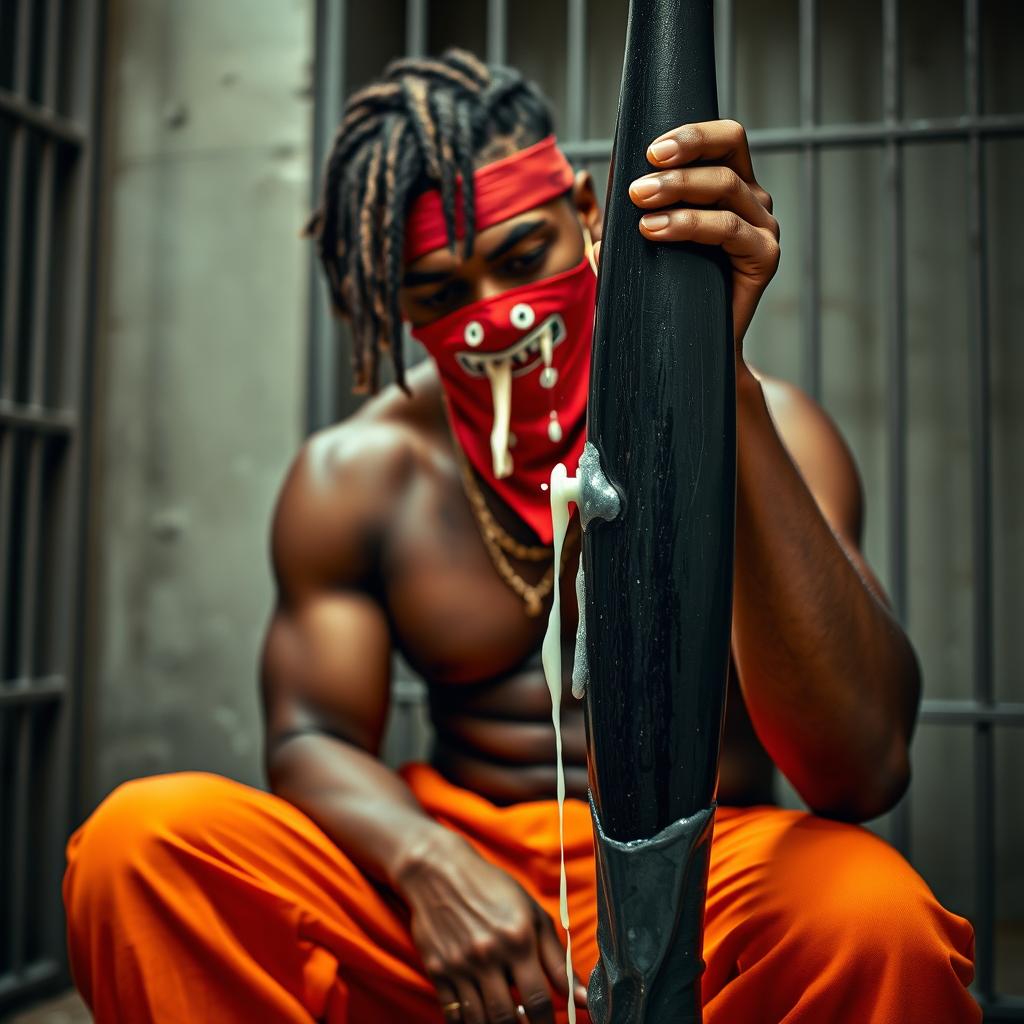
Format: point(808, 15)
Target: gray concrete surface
point(200, 355)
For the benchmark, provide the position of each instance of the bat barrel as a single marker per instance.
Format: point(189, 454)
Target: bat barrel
point(662, 416)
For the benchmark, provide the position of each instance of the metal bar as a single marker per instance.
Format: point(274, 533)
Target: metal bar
point(36, 976)
point(576, 71)
point(38, 350)
point(416, 22)
point(497, 32)
point(18, 840)
point(43, 421)
point(784, 140)
point(896, 409)
point(51, 66)
point(321, 345)
point(971, 712)
point(725, 36)
point(60, 129)
point(21, 691)
point(30, 565)
point(7, 444)
point(811, 181)
point(67, 772)
point(21, 47)
point(12, 263)
point(981, 514)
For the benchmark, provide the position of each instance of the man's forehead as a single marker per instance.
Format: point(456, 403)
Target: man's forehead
point(490, 237)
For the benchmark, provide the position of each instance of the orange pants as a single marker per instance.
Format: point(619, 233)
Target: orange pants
point(193, 898)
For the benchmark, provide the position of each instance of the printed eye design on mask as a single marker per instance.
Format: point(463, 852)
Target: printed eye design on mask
point(526, 354)
point(522, 316)
point(473, 334)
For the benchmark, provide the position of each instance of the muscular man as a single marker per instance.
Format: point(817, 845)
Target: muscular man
point(355, 893)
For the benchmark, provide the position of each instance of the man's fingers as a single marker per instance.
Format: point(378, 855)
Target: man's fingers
point(716, 186)
point(755, 248)
point(534, 992)
point(718, 141)
point(471, 1005)
point(552, 953)
point(499, 1005)
point(451, 1007)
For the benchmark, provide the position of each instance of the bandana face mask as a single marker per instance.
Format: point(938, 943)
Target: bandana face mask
point(516, 372)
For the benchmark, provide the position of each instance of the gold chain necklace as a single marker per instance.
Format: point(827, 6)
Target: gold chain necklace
point(495, 538)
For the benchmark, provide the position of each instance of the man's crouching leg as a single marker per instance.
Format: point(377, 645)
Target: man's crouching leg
point(812, 920)
point(193, 897)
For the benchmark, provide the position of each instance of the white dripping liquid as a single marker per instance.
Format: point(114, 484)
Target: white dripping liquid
point(500, 374)
point(563, 490)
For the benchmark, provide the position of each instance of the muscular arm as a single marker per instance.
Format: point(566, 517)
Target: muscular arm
point(830, 679)
point(326, 659)
point(483, 939)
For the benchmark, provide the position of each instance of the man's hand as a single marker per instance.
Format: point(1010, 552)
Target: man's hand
point(724, 206)
point(485, 942)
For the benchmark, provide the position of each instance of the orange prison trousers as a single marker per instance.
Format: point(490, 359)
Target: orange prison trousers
point(192, 898)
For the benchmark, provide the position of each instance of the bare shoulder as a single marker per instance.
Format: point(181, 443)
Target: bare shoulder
point(820, 452)
point(341, 489)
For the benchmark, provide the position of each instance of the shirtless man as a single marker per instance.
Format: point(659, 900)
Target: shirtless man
point(384, 537)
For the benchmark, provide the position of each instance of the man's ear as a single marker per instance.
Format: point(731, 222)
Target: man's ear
point(584, 198)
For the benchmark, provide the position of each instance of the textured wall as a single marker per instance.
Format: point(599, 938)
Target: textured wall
point(200, 358)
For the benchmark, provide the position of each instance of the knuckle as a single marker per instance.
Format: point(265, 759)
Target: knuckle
point(537, 1002)
point(773, 251)
point(736, 131)
point(482, 950)
point(733, 224)
point(729, 181)
point(434, 966)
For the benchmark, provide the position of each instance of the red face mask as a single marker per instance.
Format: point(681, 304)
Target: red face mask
point(516, 371)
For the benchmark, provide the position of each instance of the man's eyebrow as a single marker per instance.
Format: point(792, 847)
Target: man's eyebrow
point(516, 235)
point(513, 238)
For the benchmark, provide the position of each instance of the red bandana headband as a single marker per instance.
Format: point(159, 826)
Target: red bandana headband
point(503, 188)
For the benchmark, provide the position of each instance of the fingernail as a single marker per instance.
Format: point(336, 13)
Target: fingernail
point(644, 188)
point(665, 149)
point(654, 221)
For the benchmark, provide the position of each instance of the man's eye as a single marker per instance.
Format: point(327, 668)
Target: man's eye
point(443, 297)
point(526, 261)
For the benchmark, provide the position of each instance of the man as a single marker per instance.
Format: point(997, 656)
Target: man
point(357, 893)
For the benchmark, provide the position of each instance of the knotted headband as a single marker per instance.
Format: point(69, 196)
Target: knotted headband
point(506, 187)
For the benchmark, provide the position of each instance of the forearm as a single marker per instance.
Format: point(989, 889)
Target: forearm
point(360, 803)
point(828, 676)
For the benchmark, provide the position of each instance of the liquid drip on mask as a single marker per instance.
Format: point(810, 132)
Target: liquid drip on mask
point(500, 374)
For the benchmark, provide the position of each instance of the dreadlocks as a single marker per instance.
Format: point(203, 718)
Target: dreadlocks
point(421, 124)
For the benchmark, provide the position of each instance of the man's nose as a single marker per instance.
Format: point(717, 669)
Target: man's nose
point(488, 287)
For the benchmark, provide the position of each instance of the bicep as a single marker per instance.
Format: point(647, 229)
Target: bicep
point(326, 667)
point(827, 467)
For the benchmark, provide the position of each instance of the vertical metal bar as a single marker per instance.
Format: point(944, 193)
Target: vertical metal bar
point(7, 442)
point(576, 70)
point(12, 261)
point(18, 839)
point(322, 345)
point(39, 349)
point(52, 30)
point(981, 512)
point(725, 39)
point(896, 409)
point(811, 180)
point(416, 16)
point(497, 32)
point(28, 600)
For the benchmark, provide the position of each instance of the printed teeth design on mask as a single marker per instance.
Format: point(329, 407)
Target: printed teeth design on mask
point(526, 354)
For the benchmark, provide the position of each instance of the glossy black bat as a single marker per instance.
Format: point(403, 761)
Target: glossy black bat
point(658, 576)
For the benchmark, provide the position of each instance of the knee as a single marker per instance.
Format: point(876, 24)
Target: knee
point(860, 901)
point(137, 818)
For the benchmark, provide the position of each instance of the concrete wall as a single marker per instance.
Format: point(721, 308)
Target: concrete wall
point(200, 359)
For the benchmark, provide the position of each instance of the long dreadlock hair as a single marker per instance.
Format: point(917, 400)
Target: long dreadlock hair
point(422, 123)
